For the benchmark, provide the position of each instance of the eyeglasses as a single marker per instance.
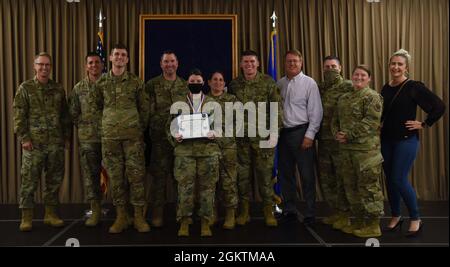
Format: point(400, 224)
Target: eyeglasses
point(43, 64)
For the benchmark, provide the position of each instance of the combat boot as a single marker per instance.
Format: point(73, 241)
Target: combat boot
point(184, 226)
point(158, 217)
point(27, 219)
point(230, 220)
point(331, 219)
point(355, 223)
point(50, 217)
point(371, 229)
point(121, 222)
point(269, 217)
point(342, 221)
point(139, 221)
point(95, 216)
point(205, 228)
point(244, 216)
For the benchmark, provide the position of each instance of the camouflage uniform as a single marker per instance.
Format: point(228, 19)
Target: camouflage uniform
point(161, 92)
point(261, 89)
point(125, 116)
point(86, 115)
point(358, 115)
point(196, 168)
point(228, 162)
point(41, 116)
point(332, 187)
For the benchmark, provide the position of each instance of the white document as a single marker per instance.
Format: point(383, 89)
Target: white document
point(193, 125)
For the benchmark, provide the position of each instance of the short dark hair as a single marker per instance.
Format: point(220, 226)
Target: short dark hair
point(364, 68)
point(332, 58)
point(93, 54)
point(168, 52)
point(119, 46)
point(249, 53)
point(214, 72)
point(195, 71)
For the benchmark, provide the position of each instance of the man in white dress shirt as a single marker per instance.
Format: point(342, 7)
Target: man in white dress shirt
point(302, 114)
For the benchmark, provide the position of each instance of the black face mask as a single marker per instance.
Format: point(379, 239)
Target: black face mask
point(195, 88)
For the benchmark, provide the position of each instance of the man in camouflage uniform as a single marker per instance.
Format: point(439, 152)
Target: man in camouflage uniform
point(161, 90)
point(228, 161)
point(255, 87)
point(86, 116)
point(125, 115)
point(331, 89)
point(42, 124)
point(196, 165)
point(355, 126)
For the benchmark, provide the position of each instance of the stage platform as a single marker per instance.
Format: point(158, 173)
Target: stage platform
point(255, 234)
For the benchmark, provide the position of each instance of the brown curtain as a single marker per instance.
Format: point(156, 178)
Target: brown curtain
point(355, 30)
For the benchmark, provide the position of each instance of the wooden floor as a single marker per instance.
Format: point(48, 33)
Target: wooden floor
point(255, 234)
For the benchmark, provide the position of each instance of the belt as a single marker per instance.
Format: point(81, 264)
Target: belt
point(295, 128)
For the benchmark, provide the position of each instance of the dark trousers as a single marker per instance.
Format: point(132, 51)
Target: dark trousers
point(399, 158)
point(290, 156)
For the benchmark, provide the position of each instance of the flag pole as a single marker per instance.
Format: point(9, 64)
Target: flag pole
point(272, 71)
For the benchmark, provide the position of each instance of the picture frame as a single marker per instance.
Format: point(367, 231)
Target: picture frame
point(207, 42)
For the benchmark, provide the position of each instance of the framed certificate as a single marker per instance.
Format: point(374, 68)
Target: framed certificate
point(193, 125)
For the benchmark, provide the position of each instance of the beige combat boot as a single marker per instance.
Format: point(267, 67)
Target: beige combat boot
point(205, 228)
point(269, 217)
point(27, 219)
point(121, 222)
point(158, 217)
point(230, 220)
point(370, 229)
point(331, 219)
point(184, 226)
point(342, 221)
point(51, 218)
point(139, 221)
point(95, 216)
point(355, 224)
point(244, 216)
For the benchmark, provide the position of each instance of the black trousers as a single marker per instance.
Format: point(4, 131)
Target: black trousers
point(290, 156)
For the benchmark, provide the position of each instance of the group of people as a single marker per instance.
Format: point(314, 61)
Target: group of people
point(356, 130)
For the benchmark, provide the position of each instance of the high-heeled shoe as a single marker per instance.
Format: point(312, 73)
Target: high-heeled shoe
point(398, 225)
point(415, 233)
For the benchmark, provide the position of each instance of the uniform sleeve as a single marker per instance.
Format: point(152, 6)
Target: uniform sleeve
point(429, 102)
point(150, 91)
point(274, 96)
point(334, 125)
point(21, 115)
point(74, 106)
point(66, 121)
point(370, 123)
point(143, 104)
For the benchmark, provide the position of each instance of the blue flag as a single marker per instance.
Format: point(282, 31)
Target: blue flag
point(272, 71)
point(100, 51)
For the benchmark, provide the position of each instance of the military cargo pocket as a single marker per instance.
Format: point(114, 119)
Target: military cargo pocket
point(369, 160)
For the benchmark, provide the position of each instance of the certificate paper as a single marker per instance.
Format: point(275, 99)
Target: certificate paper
point(193, 125)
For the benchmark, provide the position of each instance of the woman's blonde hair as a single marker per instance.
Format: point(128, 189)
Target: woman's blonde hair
point(402, 53)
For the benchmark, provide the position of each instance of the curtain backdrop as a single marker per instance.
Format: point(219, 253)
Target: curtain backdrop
point(355, 30)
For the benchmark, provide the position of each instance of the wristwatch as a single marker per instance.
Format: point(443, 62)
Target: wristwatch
point(424, 124)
